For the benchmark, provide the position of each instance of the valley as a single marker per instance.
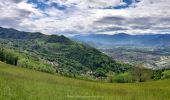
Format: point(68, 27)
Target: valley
point(152, 57)
point(152, 50)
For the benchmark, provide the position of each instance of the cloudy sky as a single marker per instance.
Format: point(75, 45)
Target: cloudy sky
point(71, 17)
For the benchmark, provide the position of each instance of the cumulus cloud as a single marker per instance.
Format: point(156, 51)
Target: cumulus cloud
point(147, 16)
point(15, 12)
point(85, 3)
point(71, 17)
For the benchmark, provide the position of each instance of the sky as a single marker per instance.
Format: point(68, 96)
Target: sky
point(73, 17)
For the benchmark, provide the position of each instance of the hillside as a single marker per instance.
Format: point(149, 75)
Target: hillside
point(52, 53)
point(20, 83)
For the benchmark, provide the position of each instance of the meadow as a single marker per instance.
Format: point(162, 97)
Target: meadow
point(23, 84)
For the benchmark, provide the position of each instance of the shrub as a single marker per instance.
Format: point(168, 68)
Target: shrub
point(8, 56)
point(123, 78)
point(157, 74)
point(166, 74)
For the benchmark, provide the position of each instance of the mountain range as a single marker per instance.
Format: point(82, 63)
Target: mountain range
point(124, 39)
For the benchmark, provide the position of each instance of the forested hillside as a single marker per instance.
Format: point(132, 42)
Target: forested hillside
point(52, 53)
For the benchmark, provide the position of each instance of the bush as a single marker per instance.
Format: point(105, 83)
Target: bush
point(122, 78)
point(166, 74)
point(157, 75)
point(8, 56)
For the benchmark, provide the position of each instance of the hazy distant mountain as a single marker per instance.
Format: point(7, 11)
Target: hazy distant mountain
point(124, 39)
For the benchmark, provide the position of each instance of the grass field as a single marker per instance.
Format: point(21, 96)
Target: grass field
point(24, 84)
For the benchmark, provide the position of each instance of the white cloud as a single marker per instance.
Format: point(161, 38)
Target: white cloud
point(85, 3)
point(87, 16)
point(140, 18)
point(94, 3)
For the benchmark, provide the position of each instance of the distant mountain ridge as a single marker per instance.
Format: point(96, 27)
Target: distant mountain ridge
point(125, 39)
point(15, 34)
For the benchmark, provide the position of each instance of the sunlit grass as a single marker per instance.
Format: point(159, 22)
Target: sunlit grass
point(24, 84)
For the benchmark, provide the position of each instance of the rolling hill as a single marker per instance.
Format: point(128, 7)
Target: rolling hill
point(19, 83)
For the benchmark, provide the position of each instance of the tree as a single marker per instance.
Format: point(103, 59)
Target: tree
point(2, 57)
point(140, 73)
point(15, 60)
point(100, 73)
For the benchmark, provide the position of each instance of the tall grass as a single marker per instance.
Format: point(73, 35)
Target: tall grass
point(24, 84)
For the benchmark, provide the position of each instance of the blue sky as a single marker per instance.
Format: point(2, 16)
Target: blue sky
point(43, 6)
point(72, 17)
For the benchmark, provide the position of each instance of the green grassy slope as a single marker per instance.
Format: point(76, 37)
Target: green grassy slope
point(24, 84)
